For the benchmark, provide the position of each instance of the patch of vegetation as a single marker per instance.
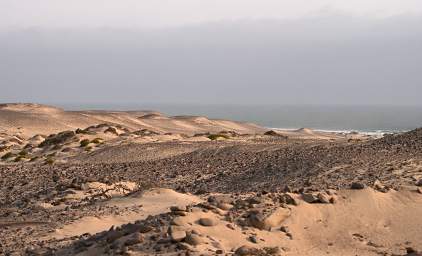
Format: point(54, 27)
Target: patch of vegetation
point(84, 143)
point(274, 133)
point(18, 158)
point(111, 130)
point(23, 153)
point(80, 131)
point(7, 156)
point(33, 158)
point(97, 140)
point(52, 154)
point(49, 160)
point(59, 138)
point(217, 136)
point(3, 148)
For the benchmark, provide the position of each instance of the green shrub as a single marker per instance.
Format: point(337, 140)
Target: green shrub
point(97, 140)
point(216, 136)
point(18, 158)
point(23, 153)
point(7, 156)
point(80, 131)
point(84, 143)
point(52, 154)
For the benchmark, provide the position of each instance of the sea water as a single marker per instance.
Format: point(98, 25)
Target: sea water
point(366, 119)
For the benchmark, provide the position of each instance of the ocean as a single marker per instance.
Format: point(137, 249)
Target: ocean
point(366, 119)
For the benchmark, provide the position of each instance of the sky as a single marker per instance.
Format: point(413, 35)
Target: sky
point(361, 52)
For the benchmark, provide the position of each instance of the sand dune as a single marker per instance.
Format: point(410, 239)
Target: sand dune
point(31, 119)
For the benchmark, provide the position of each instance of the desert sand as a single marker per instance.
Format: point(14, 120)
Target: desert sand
point(144, 183)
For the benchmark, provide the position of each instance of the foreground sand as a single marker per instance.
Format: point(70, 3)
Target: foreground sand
point(194, 186)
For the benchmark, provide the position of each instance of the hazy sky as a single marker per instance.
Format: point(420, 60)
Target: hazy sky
point(211, 51)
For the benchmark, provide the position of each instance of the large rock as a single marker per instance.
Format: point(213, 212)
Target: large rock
point(194, 239)
point(309, 198)
point(246, 250)
point(324, 198)
point(176, 233)
point(268, 221)
point(288, 199)
point(357, 185)
point(208, 222)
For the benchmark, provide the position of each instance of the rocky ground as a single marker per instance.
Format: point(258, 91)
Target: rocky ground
point(223, 195)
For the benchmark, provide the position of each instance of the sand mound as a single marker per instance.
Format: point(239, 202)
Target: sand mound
point(30, 108)
point(306, 131)
point(194, 119)
point(153, 116)
point(152, 202)
point(360, 222)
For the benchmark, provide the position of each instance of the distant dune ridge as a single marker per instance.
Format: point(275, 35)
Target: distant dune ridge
point(30, 119)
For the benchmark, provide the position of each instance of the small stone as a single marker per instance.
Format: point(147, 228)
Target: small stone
point(230, 226)
point(419, 183)
point(284, 229)
point(219, 251)
point(180, 213)
point(357, 185)
point(253, 239)
point(412, 252)
point(208, 222)
point(419, 190)
point(178, 208)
